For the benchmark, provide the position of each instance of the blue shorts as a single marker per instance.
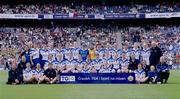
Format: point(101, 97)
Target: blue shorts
point(43, 62)
point(36, 61)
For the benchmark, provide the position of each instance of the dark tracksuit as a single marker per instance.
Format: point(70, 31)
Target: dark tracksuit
point(163, 72)
point(155, 55)
point(21, 67)
point(50, 73)
point(133, 65)
point(13, 75)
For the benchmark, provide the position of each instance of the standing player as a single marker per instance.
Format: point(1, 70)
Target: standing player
point(105, 68)
point(26, 53)
point(84, 54)
point(98, 63)
point(145, 53)
point(126, 51)
point(50, 60)
point(124, 63)
point(101, 52)
point(35, 55)
point(85, 68)
point(111, 52)
point(92, 53)
point(75, 52)
point(59, 59)
point(136, 51)
point(45, 53)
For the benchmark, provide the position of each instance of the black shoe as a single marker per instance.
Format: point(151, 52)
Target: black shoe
point(8, 83)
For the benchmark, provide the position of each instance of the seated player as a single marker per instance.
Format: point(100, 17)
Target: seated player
point(93, 70)
point(65, 69)
point(85, 69)
point(28, 76)
point(39, 73)
point(119, 70)
point(140, 75)
point(116, 65)
point(152, 75)
point(105, 68)
point(74, 69)
point(14, 76)
point(50, 75)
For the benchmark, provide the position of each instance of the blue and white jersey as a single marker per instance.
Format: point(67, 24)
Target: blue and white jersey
point(67, 53)
point(116, 64)
point(111, 52)
point(104, 60)
point(59, 55)
point(81, 64)
point(45, 54)
point(136, 52)
point(145, 53)
point(52, 52)
point(92, 63)
point(111, 60)
point(31, 50)
point(62, 63)
point(35, 54)
point(55, 64)
point(140, 74)
point(119, 52)
point(27, 73)
point(39, 73)
point(47, 63)
point(101, 52)
point(127, 52)
point(99, 63)
point(75, 52)
point(123, 62)
point(33, 72)
point(74, 62)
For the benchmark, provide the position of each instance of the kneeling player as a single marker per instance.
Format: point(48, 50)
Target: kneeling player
point(50, 75)
point(140, 75)
point(152, 75)
point(28, 75)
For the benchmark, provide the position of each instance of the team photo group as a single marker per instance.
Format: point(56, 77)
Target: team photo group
point(37, 64)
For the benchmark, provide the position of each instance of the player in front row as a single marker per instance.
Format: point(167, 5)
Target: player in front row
point(28, 75)
point(39, 73)
point(50, 76)
point(140, 75)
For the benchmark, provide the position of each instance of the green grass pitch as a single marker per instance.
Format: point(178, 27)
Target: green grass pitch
point(92, 91)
